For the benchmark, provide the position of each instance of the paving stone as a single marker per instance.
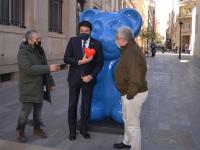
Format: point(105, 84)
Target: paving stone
point(169, 118)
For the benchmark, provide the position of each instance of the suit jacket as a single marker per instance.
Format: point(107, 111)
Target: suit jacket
point(74, 53)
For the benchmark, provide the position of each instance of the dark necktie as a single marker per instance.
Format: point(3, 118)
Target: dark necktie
point(84, 46)
point(83, 51)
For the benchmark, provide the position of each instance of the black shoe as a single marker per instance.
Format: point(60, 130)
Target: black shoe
point(86, 135)
point(121, 146)
point(72, 137)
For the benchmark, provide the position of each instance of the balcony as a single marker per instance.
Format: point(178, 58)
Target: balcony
point(185, 12)
point(187, 3)
point(186, 7)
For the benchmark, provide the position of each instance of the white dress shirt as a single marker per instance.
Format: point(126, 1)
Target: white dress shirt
point(87, 43)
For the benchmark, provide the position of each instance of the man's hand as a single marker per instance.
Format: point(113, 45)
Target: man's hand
point(52, 88)
point(85, 60)
point(129, 97)
point(54, 67)
point(87, 78)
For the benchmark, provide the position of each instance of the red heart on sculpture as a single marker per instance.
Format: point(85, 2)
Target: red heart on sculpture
point(89, 52)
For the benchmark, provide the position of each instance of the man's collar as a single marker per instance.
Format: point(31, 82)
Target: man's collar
point(88, 41)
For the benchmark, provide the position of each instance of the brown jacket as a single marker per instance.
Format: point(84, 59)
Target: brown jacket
point(131, 70)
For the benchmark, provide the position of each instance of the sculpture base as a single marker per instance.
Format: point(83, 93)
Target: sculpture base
point(105, 126)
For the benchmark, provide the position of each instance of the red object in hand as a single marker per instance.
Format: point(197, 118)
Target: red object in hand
point(89, 52)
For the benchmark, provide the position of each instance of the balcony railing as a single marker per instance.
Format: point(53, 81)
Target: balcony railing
point(187, 2)
point(189, 14)
point(185, 11)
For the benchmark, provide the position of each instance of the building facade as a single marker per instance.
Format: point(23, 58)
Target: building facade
point(185, 15)
point(151, 16)
point(197, 32)
point(51, 18)
point(104, 5)
point(55, 20)
point(142, 6)
point(186, 8)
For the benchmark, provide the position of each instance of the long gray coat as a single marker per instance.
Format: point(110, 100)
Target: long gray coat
point(34, 75)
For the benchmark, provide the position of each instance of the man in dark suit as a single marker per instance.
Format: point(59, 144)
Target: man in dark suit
point(82, 74)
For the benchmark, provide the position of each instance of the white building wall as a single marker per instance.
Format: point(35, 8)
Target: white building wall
point(197, 32)
point(191, 45)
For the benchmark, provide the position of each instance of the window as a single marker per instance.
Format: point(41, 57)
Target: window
point(12, 12)
point(55, 16)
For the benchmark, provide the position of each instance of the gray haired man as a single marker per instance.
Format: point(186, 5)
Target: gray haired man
point(35, 82)
point(130, 80)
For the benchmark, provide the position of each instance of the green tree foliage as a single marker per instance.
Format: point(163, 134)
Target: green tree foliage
point(150, 34)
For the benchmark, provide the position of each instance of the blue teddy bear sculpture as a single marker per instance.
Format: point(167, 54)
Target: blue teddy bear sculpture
point(106, 100)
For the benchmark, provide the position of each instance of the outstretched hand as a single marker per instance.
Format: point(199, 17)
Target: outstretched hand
point(54, 67)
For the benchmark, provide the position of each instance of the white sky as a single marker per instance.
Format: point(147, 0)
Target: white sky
point(163, 7)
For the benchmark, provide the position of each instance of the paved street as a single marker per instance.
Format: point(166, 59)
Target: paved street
point(169, 120)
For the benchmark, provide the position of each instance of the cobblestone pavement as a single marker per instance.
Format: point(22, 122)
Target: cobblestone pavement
point(169, 120)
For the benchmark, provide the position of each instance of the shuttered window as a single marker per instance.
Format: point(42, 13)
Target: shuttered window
point(55, 16)
point(12, 12)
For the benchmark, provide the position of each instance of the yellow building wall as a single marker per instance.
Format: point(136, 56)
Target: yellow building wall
point(142, 7)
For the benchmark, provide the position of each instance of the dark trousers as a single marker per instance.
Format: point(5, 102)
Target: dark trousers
point(153, 52)
point(74, 91)
point(25, 112)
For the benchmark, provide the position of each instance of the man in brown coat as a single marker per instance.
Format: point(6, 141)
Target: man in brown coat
point(130, 80)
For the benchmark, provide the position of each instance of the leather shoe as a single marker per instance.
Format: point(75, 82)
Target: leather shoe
point(72, 137)
point(121, 146)
point(40, 133)
point(86, 135)
point(21, 136)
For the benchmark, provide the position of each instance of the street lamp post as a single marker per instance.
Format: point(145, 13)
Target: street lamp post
point(180, 44)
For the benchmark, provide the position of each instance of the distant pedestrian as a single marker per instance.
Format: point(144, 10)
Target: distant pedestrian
point(130, 80)
point(153, 49)
point(186, 48)
point(35, 82)
point(176, 49)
